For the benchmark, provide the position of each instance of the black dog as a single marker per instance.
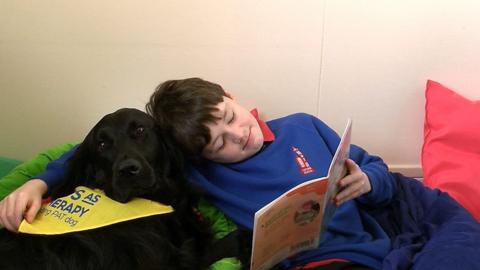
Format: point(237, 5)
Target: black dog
point(127, 156)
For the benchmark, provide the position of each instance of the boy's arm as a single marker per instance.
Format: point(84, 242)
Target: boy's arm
point(55, 170)
point(381, 180)
point(28, 169)
point(24, 197)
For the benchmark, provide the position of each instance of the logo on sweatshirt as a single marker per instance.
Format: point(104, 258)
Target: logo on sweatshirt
point(302, 162)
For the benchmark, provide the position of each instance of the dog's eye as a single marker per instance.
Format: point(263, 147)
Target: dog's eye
point(101, 146)
point(139, 131)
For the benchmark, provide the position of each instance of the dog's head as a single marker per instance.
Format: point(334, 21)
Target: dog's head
point(127, 156)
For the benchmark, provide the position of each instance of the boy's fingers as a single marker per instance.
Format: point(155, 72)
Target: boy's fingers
point(6, 220)
point(349, 192)
point(351, 165)
point(347, 180)
point(353, 169)
point(19, 210)
point(351, 196)
point(2, 214)
point(6, 224)
point(353, 184)
point(32, 211)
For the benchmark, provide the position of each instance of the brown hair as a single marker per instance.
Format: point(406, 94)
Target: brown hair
point(183, 108)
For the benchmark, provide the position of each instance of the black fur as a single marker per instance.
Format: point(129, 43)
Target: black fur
point(127, 156)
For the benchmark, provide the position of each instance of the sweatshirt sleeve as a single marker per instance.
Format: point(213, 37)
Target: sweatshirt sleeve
point(26, 170)
point(55, 170)
point(381, 180)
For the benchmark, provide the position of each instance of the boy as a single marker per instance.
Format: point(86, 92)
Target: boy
point(243, 163)
point(247, 163)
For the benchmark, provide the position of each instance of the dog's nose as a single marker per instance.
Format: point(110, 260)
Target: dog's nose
point(129, 167)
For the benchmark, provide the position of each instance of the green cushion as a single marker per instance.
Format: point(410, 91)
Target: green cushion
point(7, 164)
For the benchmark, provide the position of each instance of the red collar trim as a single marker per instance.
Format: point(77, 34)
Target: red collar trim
point(268, 135)
point(316, 265)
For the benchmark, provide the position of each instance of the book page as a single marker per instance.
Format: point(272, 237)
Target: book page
point(337, 171)
point(293, 222)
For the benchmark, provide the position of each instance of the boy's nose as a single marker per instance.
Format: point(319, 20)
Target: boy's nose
point(238, 136)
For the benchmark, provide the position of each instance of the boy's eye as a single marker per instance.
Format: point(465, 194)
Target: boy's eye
point(222, 145)
point(232, 119)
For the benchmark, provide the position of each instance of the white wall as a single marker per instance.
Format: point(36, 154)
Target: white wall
point(377, 56)
point(64, 64)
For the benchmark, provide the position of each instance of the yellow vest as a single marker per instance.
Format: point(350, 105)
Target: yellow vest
point(87, 209)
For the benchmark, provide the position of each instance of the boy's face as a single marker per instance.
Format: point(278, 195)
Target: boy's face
point(236, 136)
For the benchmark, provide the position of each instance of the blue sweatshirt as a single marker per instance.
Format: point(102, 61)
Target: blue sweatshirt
point(240, 189)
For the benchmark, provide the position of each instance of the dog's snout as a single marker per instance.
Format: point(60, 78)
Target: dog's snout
point(129, 167)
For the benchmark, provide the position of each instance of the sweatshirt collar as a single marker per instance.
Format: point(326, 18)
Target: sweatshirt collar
point(268, 135)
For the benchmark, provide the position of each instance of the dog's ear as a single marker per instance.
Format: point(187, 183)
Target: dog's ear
point(175, 155)
point(170, 168)
point(79, 170)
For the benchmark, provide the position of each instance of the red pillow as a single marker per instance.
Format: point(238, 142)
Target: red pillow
point(451, 147)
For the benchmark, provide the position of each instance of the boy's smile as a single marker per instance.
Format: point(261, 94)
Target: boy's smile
point(235, 136)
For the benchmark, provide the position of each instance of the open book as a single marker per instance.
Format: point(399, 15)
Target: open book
point(294, 222)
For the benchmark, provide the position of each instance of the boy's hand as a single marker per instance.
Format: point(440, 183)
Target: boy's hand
point(353, 185)
point(23, 202)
